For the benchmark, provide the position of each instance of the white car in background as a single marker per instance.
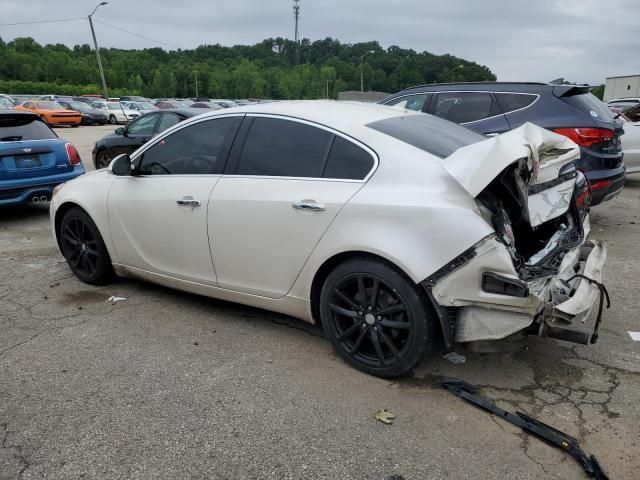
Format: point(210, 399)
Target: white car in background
point(117, 113)
point(141, 107)
point(631, 146)
point(391, 228)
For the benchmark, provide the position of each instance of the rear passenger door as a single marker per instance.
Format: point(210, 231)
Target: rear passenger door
point(285, 182)
point(478, 111)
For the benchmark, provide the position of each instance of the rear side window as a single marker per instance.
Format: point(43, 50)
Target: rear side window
point(463, 107)
point(14, 129)
point(283, 148)
point(589, 104)
point(514, 101)
point(347, 160)
point(428, 133)
point(410, 102)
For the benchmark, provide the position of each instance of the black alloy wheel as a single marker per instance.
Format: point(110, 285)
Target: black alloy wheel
point(83, 247)
point(103, 159)
point(376, 318)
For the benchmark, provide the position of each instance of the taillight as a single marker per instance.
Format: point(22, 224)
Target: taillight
point(602, 184)
point(72, 153)
point(586, 137)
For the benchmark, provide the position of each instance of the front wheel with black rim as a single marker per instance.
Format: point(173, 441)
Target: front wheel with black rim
point(83, 247)
point(103, 159)
point(376, 318)
point(112, 119)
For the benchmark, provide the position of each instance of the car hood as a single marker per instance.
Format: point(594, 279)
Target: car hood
point(544, 154)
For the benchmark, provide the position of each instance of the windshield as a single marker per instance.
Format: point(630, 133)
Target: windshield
point(82, 107)
point(426, 132)
point(146, 106)
point(114, 106)
point(23, 127)
point(588, 103)
point(49, 105)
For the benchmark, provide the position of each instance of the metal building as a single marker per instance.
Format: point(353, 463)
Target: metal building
point(622, 87)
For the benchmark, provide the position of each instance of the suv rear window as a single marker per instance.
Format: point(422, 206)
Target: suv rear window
point(428, 133)
point(14, 128)
point(589, 104)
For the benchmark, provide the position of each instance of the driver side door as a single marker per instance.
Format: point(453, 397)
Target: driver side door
point(158, 216)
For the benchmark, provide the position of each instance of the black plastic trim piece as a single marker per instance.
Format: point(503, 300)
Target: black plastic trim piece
point(501, 285)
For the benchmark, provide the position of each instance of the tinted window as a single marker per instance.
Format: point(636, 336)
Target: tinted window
point(347, 160)
point(427, 133)
point(589, 104)
point(410, 102)
point(196, 149)
point(463, 107)
point(16, 128)
point(284, 148)
point(168, 120)
point(143, 125)
point(514, 101)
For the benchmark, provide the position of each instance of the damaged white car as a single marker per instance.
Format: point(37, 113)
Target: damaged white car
point(391, 228)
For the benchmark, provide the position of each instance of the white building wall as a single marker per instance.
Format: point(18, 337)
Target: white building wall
point(621, 87)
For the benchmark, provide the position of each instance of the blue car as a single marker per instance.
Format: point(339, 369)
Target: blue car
point(33, 160)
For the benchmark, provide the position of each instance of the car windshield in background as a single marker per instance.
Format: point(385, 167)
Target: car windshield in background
point(146, 106)
point(433, 135)
point(588, 103)
point(114, 106)
point(49, 105)
point(14, 129)
point(82, 107)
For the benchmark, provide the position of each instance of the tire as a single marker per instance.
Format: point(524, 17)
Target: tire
point(384, 332)
point(83, 248)
point(113, 120)
point(103, 159)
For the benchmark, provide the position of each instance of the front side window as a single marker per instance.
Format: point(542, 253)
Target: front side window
point(463, 107)
point(284, 148)
point(197, 149)
point(410, 102)
point(143, 125)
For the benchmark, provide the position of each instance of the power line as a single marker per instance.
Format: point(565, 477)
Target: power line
point(135, 34)
point(42, 21)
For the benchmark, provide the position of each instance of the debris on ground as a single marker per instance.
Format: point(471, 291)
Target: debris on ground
point(385, 416)
point(114, 298)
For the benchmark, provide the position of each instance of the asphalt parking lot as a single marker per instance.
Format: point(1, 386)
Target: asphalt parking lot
point(170, 385)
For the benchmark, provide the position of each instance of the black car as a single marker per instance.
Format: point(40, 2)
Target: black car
point(90, 115)
point(491, 108)
point(129, 138)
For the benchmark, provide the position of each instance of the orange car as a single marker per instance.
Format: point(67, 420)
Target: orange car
point(52, 113)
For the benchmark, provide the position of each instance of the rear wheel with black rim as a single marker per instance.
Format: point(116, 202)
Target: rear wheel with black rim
point(376, 318)
point(112, 119)
point(83, 247)
point(103, 159)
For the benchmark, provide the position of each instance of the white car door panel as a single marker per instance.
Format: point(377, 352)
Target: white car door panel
point(159, 223)
point(263, 229)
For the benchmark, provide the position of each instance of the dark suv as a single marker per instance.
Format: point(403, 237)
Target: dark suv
point(491, 108)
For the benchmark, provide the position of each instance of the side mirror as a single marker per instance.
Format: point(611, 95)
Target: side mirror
point(121, 165)
point(120, 131)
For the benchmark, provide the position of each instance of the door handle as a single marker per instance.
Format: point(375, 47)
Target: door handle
point(188, 202)
point(309, 206)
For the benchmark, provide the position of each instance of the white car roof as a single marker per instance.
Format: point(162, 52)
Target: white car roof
point(339, 115)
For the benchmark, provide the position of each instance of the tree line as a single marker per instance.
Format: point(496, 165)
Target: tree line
point(265, 70)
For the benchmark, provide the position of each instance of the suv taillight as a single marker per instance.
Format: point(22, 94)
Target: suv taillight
point(585, 137)
point(72, 153)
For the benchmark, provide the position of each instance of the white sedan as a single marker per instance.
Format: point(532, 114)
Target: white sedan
point(392, 228)
point(117, 113)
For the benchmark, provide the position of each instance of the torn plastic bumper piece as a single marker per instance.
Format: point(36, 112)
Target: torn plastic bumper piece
point(569, 319)
point(529, 425)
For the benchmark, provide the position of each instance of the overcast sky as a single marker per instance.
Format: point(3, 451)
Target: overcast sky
point(519, 40)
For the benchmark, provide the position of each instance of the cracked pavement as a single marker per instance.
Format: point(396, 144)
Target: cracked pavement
point(171, 385)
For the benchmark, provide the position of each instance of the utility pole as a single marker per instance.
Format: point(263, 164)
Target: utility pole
point(327, 89)
point(362, 69)
point(195, 74)
point(296, 15)
point(95, 44)
point(453, 71)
